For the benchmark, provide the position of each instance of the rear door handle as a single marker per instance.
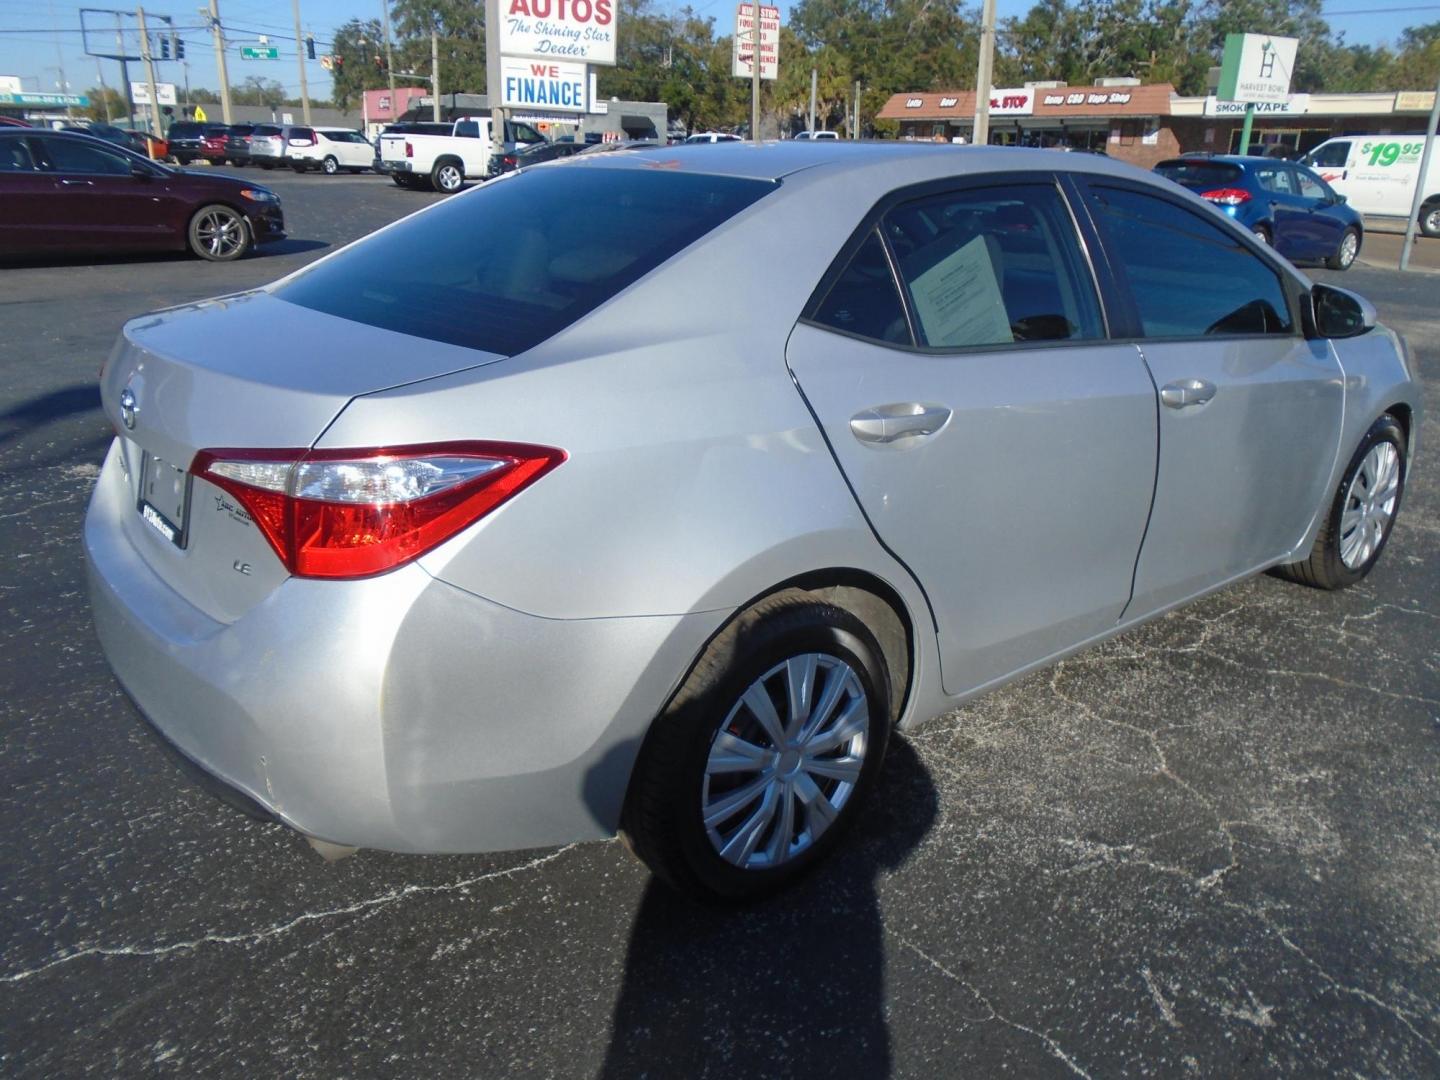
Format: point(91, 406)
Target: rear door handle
point(1183, 393)
point(900, 425)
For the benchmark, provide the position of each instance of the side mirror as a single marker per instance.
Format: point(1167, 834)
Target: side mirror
point(1339, 313)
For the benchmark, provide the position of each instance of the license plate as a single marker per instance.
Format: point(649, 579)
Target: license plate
point(164, 498)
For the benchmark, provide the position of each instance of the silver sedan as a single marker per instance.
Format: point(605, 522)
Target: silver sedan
point(649, 492)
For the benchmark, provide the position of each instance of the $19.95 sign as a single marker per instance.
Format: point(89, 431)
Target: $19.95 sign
point(582, 31)
point(542, 84)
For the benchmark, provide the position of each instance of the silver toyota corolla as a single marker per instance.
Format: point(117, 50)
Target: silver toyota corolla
point(650, 492)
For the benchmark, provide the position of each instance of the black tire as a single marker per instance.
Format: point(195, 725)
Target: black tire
point(200, 234)
point(406, 181)
point(1345, 256)
point(267, 165)
point(662, 820)
point(330, 166)
point(1262, 233)
point(238, 163)
point(298, 166)
point(1325, 569)
point(183, 159)
point(448, 176)
point(1430, 218)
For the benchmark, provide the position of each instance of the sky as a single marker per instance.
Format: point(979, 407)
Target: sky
point(30, 49)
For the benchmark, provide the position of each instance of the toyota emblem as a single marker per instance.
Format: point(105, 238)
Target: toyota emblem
point(128, 408)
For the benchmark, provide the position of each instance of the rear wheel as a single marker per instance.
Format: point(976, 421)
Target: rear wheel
point(299, 166)
point(1345, 251)
point(219, 234)
point(447, 177)
point(766, 754)
point(330, 165)
point(1360, 517)
point(1430, 218)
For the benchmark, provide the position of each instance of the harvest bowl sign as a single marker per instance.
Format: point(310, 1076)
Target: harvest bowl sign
point(581, 31)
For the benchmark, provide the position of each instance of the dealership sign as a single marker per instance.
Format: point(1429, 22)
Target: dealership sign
point(581, 31)
point(542, 84)
point(1256, 68)
point(743, 49)
point(1294, 105)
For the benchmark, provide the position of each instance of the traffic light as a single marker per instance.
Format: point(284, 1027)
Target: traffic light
point(309, 47)
point(179, 48)
point(164, 47)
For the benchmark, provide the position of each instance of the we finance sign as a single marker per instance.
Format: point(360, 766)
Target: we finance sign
point(542, 84)
point(576, 30)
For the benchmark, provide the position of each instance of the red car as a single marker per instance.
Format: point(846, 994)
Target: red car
point(64, 192)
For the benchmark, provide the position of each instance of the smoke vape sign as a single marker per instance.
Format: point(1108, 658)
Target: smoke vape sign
point(1256, 68)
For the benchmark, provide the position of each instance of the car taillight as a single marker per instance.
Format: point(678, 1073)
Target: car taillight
point(409, 150)
point(353, 513)
point(1227, 196)
point(511, 159)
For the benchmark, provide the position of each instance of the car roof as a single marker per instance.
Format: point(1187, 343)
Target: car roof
point(910, 162)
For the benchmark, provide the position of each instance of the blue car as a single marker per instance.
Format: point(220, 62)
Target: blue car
point(1282, 203)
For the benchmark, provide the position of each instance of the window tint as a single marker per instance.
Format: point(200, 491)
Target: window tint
point(184, 130)
point(1274, 178)
point(512, 264)
point(1332, 156)
point(1189, 277)
point(216, 129)
point(69, 156)
point(468, 129)
point(864, 299)
point(265, 130)
point(15, 156)
point(1310, 185)
point(302, 133)
point(1198, 173)
point(991, 266)
point(526, 133)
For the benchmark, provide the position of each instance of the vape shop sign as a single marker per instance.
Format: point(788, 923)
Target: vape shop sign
point(580, 31)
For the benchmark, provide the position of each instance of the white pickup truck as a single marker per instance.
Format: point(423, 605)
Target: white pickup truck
point(444, 156)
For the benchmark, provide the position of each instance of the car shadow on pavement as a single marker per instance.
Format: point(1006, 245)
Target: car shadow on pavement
point(288, 246)
point(792, 987)
point(37, 412)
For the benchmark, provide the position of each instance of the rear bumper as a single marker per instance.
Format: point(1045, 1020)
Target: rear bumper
point(396, 712)
point(391, 167)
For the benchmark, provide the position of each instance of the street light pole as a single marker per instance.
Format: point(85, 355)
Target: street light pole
point(219, 35)
point(1419, 198)
point(149, 73)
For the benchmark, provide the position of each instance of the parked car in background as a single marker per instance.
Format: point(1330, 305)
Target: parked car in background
point(533, 155)
point(620, 144)
point(142, 142)
point(237, 145)
point(1378, 174)
point(12, 121)
point(458, 472)
point(273, 145)
point(66, 192)
point(191, 141)
point(712, 137)
point(444, 156)
point(332, 150)
point(817, 135)
point(1280, 202)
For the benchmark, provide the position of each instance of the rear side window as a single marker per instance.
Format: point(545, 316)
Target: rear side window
point(1274, 178)
point(1199, 173)
point(514, 263)
point(864, 299)
point(993, 266)
point(1189, 277)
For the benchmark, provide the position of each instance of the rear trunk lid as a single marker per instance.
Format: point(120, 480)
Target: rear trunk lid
point(243, 372)
point(392, 147)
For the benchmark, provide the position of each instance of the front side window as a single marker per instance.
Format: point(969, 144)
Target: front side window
point(1310, 185)
point(993, 266)
point(1189, 277)
point(1332, 156)
point(512, 264)
point(77, 157)
point(526, 133)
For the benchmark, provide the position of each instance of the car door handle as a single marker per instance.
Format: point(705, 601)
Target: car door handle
point(1183, 393)
point(900, 425)
point(78, 183)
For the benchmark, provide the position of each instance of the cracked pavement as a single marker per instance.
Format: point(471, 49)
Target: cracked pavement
point(1210, 846)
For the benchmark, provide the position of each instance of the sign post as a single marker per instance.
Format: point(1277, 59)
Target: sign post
point(542, 54)
point(1256, 69)
point(1419, 198)
point(756, 52)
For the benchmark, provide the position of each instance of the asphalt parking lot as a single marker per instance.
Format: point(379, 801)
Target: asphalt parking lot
point(1210, 847)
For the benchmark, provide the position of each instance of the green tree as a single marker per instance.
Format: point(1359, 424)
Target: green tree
point(359, 47)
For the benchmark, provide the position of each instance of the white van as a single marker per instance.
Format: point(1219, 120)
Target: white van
point(1377, 174)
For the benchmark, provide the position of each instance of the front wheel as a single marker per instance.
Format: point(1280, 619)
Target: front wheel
point(1345, 251)
point(447, 177)
point(1360, 517)
point(766, 754)
point(219, 234)
point(1430, 219)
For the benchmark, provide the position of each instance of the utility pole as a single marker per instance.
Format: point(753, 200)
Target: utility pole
point(60, 59)
point(855, 129)
point(1420, 180)
point(984, 73)
point(149, 73)
point(755, 72)
point(494, 84)
point(104, 90)
point(814, 80)
point(389, 60)
point(124, 71)
point(300, 59)
point(434, 74)
point(219, 35)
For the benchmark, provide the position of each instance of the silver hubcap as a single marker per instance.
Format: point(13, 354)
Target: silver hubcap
point(1349, 246)
point(331, 165)
point(785, 761)
point(220, 232)
point(449, 177)
point(1369, 505)
point(1431, 221)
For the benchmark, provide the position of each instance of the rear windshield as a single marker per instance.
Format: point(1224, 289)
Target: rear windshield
point(266, 129)
point(512, 264)
point(242, 129)
point(184, 130)
point(219, 129)
point(1199, 172)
